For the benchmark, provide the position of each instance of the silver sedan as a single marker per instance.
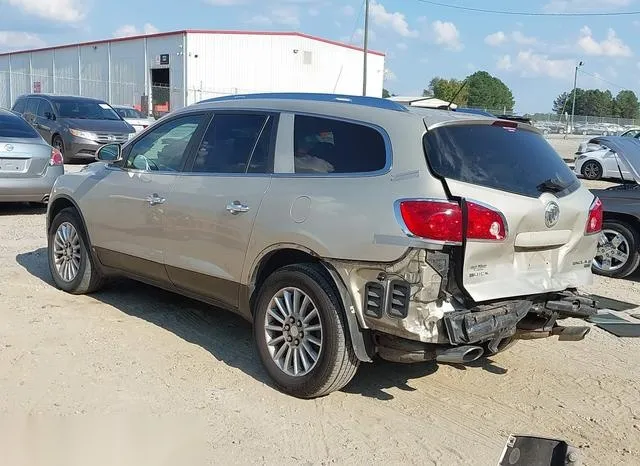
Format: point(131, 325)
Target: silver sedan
point(28, 165)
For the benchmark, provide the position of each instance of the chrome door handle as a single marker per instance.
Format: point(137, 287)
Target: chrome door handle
point(154, 199)
point(237, 207)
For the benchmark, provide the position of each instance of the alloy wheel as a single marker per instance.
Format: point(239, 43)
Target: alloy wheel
point(591, 170)
point(293, 331)
point(613, 251)
point(67, 252)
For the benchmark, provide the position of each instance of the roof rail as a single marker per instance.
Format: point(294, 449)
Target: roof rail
point(376, 102)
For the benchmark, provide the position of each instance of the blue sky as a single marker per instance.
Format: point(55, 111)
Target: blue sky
point(534, 56)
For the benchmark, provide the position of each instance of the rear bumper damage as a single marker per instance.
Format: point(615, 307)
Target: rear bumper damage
point(491, 329)
point(409, 311)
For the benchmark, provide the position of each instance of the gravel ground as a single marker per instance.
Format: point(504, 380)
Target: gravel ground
point(133, 375)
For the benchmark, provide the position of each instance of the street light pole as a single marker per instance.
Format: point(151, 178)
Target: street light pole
point(573, 107)
point(366, 47)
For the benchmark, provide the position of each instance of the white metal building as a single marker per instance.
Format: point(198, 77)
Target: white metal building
point(179, 68)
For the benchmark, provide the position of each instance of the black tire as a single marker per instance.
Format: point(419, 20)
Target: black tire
point(337, 362)
point(58, 143)
point(633, 240)
point(88, 277)
point(592, 170)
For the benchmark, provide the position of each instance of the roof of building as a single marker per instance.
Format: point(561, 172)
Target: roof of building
point(195, 31)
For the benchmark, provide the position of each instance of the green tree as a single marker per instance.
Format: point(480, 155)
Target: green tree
point(489, 92)
point(562, 103)
point(446, 89)
point(385, 94)
point(596, 102)
point(626, 105)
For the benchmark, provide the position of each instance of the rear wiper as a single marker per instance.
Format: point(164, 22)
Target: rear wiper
point(551, 186)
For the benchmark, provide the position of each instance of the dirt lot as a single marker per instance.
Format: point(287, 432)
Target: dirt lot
point(137, 374)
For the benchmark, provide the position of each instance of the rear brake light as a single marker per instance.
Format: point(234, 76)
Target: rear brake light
point(56, 157)
point(442, 221)
point(594, 221)
point(505, 124)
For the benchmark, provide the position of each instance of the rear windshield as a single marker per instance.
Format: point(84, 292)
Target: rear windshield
point(514, 160)
point(85, 110)
point(15, 127)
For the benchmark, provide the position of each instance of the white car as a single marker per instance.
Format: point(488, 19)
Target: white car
point(594, 161)
point(134, 117)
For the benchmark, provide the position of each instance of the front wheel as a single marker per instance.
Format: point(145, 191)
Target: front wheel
point(617, 255)
point(70, 261)
point(301, 333)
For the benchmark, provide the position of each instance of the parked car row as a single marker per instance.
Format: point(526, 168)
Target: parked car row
point(559, 127)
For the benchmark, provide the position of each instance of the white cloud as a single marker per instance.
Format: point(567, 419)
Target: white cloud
point(395, 21)
point(504, 63)
point(67, 11)
point(519, 38)
point(447, 34)
point(561, 6)
point(532, 64)
point(612, 46)
point(16, 40)
point(495, 39)
point(130, 30)
point(285, 16)
point(348, 10)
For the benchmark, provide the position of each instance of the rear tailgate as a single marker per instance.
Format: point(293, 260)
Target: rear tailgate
point(514, 170)
point(19, 159)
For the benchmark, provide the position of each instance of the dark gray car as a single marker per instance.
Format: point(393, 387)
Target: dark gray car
point(76, 126)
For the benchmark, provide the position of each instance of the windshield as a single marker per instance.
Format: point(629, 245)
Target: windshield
point(12, 126)
point(513, 160)
point(85, 110)
point(129, 113)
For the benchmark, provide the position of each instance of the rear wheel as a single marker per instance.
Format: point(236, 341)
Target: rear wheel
point(592, 170)
point(70, 261)
point(617, 255)
point(301, 334)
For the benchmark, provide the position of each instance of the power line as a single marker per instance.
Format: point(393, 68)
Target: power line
point(526, 13)
point(604, 80)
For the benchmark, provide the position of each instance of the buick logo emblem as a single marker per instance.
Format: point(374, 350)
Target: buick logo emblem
point(8, 147)
point(111, 137)
point(551, 214)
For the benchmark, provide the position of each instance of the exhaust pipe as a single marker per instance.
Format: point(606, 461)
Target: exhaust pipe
point(570, 333)
point(459, 354)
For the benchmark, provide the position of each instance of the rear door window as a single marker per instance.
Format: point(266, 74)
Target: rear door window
point(13, 126)
point(324, 145)
point(44, 108)
point(514, 160)
point(231, 144)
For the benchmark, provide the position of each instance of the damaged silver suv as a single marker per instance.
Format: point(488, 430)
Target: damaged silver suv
point(342, 227)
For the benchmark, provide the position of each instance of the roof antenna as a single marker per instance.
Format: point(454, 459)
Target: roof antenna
point(464, 83)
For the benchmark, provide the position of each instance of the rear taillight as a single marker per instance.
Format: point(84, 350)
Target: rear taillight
point(56, 157)
point(594, 222)
point(485, 223)
point(435, 220)
point(442, 221)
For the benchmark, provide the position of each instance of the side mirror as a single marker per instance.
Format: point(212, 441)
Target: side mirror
point(109, 153)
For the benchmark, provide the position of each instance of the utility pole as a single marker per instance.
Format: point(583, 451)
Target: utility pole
point(366, 47)
point(573, 108)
